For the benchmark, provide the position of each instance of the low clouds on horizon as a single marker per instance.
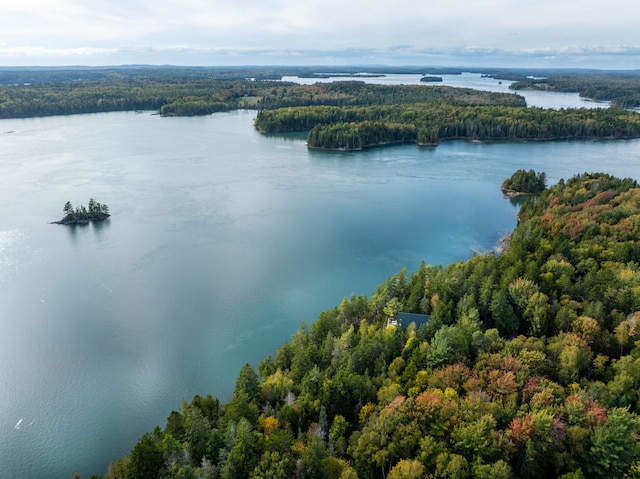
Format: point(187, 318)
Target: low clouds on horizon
point(200, 32)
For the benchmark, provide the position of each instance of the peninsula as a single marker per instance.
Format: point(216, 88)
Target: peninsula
point(82, 215)
point(524, 183)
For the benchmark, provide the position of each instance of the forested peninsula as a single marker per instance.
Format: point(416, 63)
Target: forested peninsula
point(621, 89)
point(167, 96)
point(528, 366)
point(374, 115)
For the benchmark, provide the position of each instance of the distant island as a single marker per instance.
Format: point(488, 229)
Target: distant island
point(82, 215)
point(430, 79)
point(524, 182)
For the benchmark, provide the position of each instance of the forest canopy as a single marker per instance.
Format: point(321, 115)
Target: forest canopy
point(529, 366)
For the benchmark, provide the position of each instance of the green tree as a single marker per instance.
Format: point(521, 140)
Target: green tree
point(497, 470)
point(147, 459)
point(197, 433)
point(68, 210)
point(614, 445)
point(313, 458)
point(243, 456)
point(274, 465)
point(452, 466)
point(392, 307)
point(407, 469)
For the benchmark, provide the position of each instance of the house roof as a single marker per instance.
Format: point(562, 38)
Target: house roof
point(405, 319)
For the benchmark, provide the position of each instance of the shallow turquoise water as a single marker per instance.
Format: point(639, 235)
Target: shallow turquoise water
point(222, 241)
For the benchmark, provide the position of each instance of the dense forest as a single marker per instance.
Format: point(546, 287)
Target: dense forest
point(352, 128)
point(357, 93)
point(187, 91)
point(200, 96)
point(529, 366)
point(354, 115)
point(623, 90)
point(171, 97)
point(349, 115)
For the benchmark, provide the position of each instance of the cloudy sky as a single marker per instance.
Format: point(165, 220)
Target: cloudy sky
point(544, 33)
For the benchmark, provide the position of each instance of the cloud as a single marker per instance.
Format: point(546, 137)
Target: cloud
point(331, 29)
point(28, 51)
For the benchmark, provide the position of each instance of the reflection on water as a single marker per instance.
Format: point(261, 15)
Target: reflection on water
point(74, 229)
point(97, 227)
point(518, 201)
point(101, 226)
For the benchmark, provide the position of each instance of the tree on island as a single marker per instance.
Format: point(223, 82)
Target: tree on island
point(81, 214)
point(68, 209)
point(525, 182)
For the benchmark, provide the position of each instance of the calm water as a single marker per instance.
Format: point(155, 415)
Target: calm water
point(476, 81)
point(222, 241)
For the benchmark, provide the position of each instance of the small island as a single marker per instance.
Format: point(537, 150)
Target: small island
point(431, 79)
point(524, 183)
point(82, 215)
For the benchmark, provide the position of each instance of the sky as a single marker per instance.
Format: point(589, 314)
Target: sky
point(476, 33)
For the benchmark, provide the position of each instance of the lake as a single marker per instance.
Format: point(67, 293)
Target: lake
point(221, 242)
point(477, 81)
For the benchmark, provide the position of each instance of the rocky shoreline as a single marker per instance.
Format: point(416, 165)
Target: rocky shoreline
point(80, 221)
point(508, 194)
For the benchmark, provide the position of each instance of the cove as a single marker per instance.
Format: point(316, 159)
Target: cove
point(221, 242)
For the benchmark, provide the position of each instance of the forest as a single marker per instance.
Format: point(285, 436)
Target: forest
point(42, 91)
point(354, 128)
point(354, 115)
point(621, 89)
point(346, 115)
point(170, 97)
point(201, 96)
point(529, 366)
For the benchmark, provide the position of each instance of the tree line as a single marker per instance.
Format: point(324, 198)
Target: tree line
point(621, 89)
point(528, 367)
point(190, 96)
point(61, 91)
point(171, 97)
point(358, 93)
point(430, 123)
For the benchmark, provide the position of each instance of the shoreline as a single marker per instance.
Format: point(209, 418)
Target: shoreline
point(509, 194)
point(79, 221)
